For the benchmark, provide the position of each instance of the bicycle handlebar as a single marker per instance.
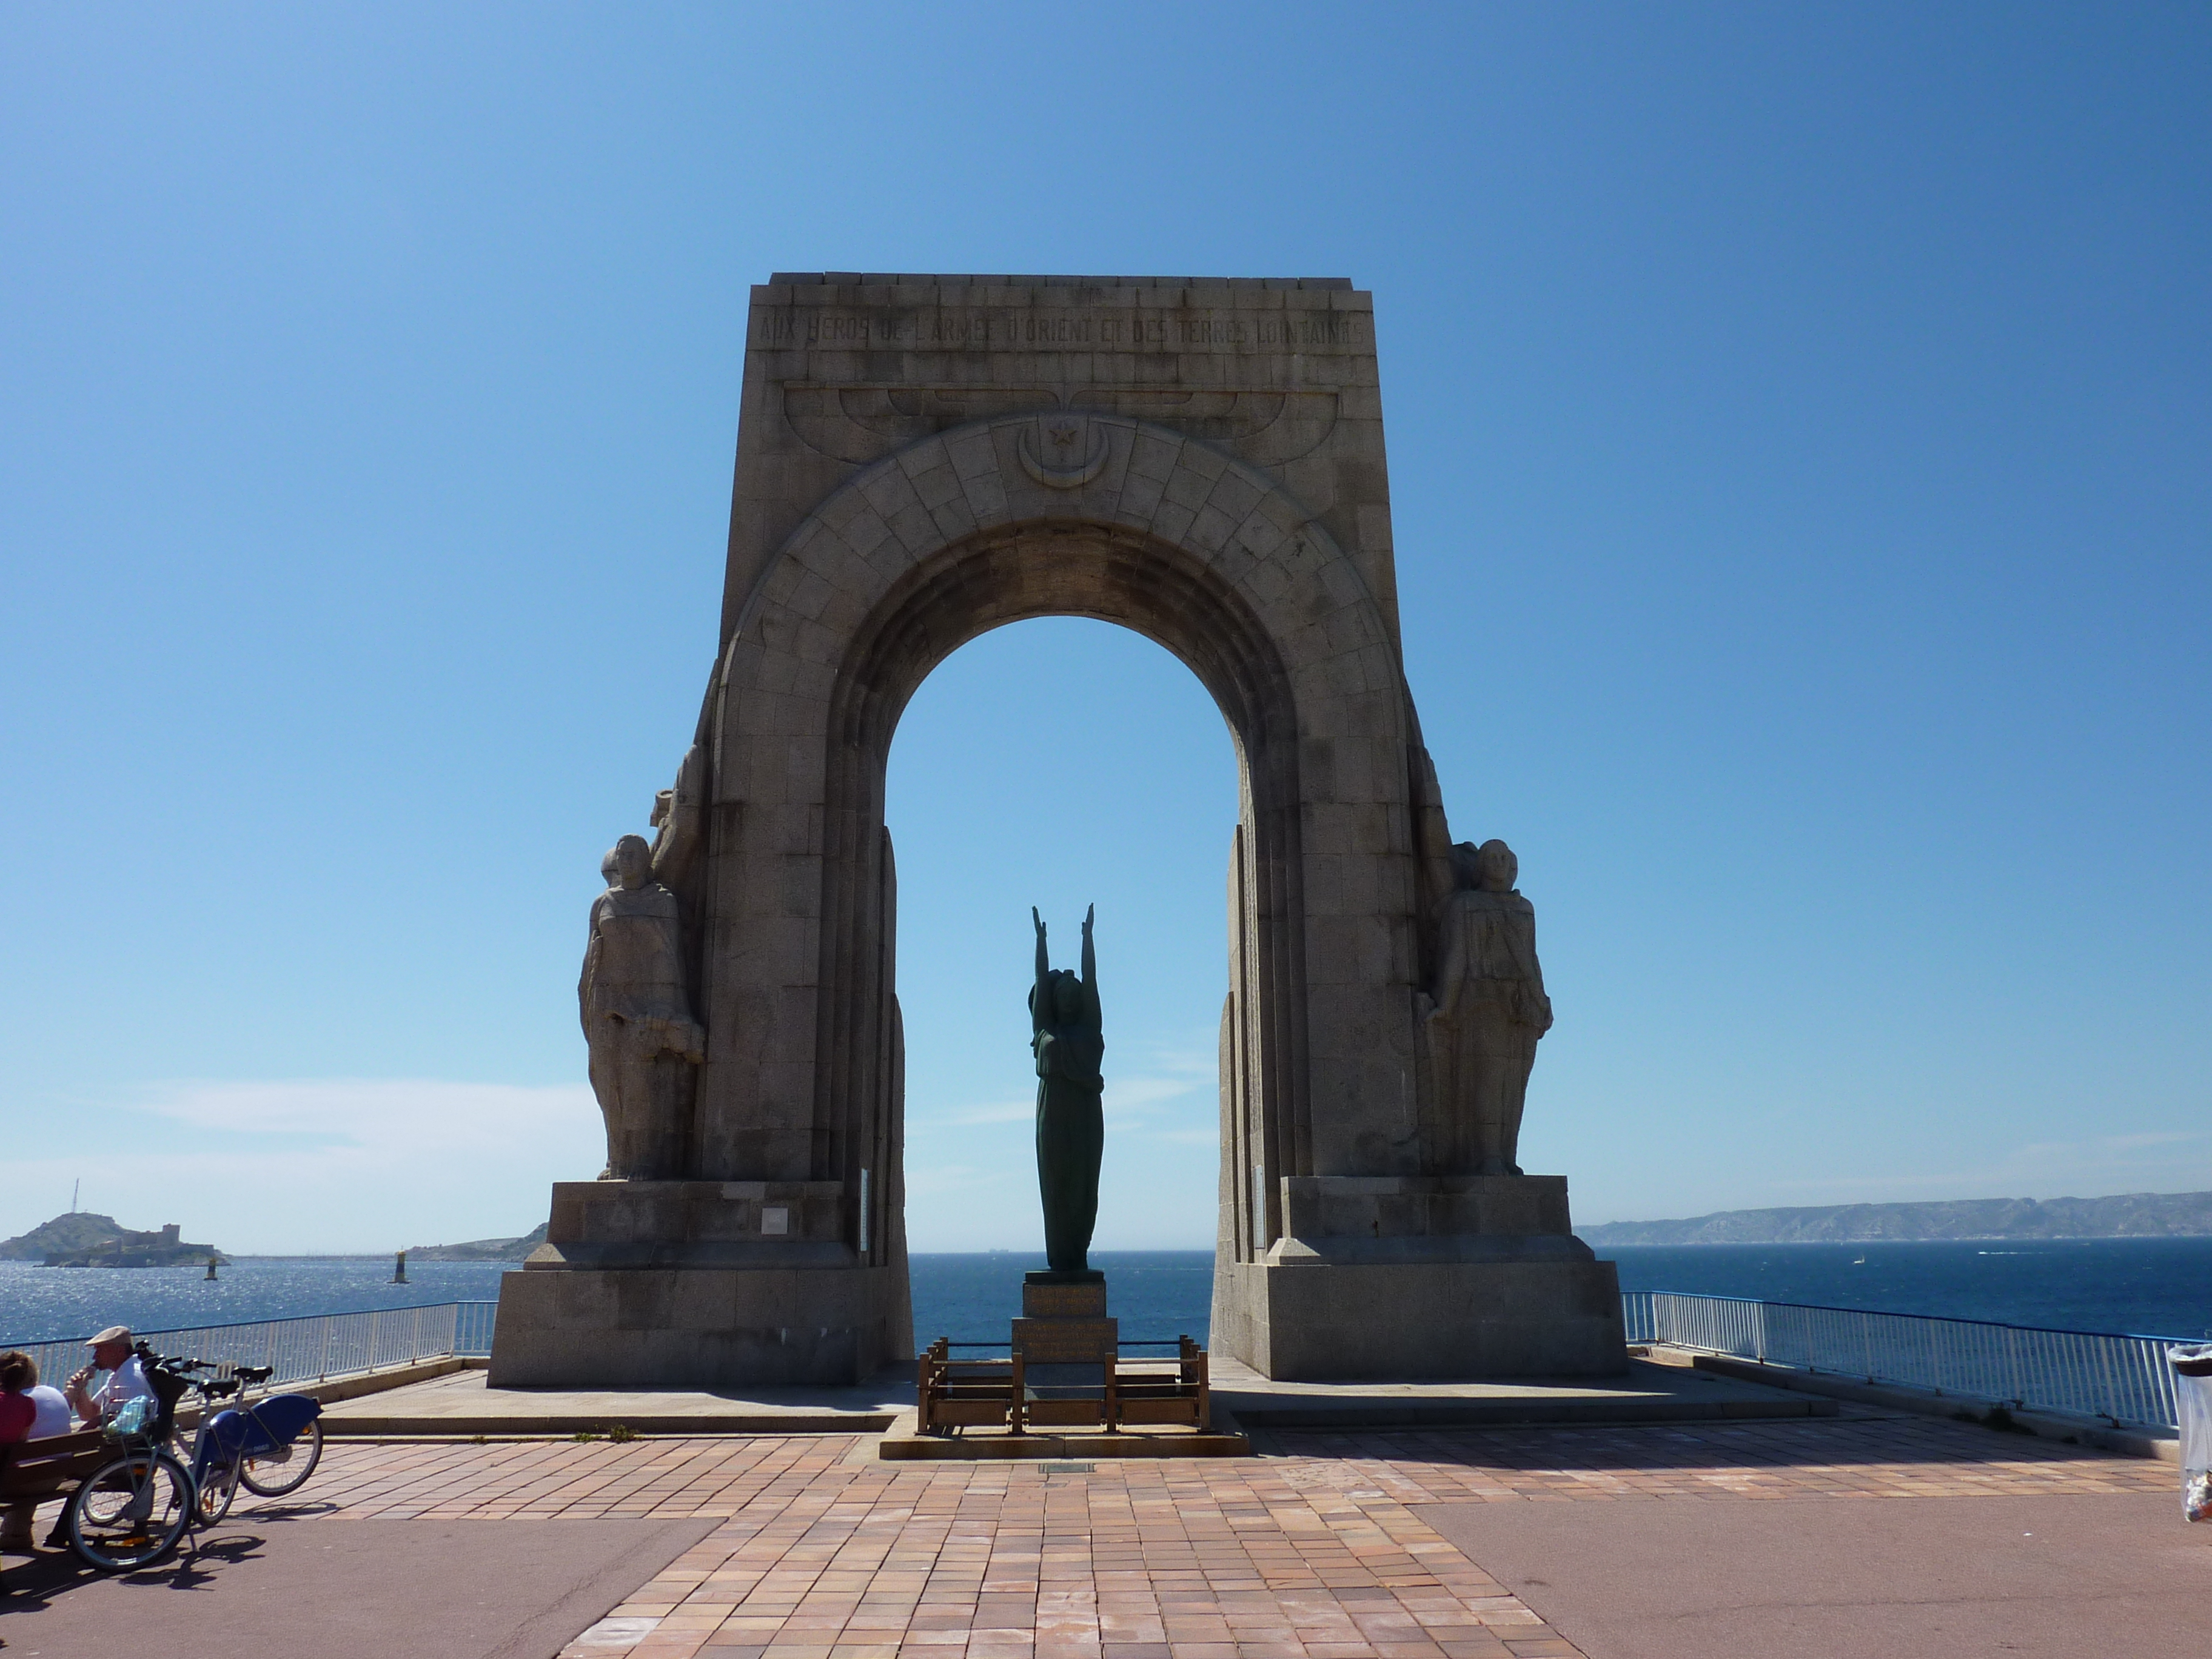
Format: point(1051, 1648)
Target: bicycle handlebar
point(177, 1365)
point(170, 1362)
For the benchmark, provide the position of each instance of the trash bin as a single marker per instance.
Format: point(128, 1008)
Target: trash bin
point(2192, 1397)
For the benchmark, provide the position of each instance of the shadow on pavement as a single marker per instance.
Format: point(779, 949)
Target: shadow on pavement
point(36, 1581)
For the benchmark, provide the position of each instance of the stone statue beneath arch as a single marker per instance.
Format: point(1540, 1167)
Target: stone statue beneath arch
point(1070, 1044)
point(645, 1047)
point(1487, 1009)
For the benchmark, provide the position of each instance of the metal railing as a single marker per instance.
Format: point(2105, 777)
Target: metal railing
point(310, 1350)
point(473, 1322)
point(2122, 1379)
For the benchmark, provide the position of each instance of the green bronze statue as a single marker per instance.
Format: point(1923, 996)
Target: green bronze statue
point(1071, 1127)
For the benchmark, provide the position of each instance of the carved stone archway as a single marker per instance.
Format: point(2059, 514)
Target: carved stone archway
point(923, 460)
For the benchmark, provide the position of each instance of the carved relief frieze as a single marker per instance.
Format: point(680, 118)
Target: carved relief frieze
point(1264, 427)
point(1063, 450)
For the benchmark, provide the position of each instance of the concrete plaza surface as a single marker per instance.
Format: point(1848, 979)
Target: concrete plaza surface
point(462, 1403)
point(1644, 1393)
point(1723, 1536)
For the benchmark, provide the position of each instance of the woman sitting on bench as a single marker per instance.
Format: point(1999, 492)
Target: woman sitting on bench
point(29, 1410)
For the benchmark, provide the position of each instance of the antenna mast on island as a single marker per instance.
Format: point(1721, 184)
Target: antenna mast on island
point(76, 1186)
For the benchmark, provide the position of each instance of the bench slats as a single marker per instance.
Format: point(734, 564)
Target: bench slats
point(40, 1468)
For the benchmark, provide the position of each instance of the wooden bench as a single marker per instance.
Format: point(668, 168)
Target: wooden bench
point(960, 1394)
point(32, 1471)
point(952, 1395)
point(1154, 1397)
point(49, 1468)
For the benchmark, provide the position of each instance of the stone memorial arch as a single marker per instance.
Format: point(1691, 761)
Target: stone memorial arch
point(921, 459)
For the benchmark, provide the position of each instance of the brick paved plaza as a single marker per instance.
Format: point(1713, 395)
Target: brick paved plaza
point(1315, 1551)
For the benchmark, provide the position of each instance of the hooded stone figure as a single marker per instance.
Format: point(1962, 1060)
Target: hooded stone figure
point(1487, 1009)
point(645, 1047)
point(1069, 1044)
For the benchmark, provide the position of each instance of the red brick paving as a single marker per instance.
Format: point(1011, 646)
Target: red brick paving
point(1310, 1554)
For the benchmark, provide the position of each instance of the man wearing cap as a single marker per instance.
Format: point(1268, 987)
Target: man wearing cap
point(125, 1378)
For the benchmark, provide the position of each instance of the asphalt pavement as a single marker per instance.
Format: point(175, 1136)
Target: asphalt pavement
point(300, 1586)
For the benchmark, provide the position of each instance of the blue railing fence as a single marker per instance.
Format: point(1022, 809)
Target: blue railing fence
point(2120, 1378)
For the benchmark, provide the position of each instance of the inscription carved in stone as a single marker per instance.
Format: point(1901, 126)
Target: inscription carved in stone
point(1261, 424)
point(1024, 329)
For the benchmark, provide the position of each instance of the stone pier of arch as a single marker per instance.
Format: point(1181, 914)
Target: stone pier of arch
point(921, 459)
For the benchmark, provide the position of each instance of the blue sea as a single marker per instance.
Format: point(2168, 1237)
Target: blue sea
point(2150, 1287)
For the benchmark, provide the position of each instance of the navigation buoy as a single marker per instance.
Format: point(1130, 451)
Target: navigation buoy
point(399, 1268)
point(211, 1261)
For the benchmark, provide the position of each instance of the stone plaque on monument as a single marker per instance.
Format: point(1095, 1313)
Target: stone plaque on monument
point(1046, 1300)
point(1064, 1337)
point(1067, 1341)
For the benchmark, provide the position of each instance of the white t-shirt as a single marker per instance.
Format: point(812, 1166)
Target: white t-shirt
point(126, 1382)
point(54, 1415)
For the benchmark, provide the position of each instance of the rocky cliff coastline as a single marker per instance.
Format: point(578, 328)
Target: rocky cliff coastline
point(2127, 1215)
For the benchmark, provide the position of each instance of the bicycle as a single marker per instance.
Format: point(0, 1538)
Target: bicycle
point(132, 1511)
point(270, 1448)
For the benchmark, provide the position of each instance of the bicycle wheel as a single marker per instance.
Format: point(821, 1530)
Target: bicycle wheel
point(273, 1474)
point(131, 1512)
point(218, 1485)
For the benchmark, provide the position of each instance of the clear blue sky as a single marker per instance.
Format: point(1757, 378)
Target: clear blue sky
point(1798, 426)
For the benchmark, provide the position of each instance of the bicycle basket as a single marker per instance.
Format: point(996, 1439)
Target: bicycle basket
point(130, 1420)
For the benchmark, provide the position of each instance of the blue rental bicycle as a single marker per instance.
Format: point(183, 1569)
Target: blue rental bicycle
point(269, 1447)
point(132, 1511)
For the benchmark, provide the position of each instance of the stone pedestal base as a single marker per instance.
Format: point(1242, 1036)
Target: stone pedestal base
point(1064, 1336)
point(701, 1284)
point(1422, 1278)
point(1416, 1322)
point(699, 1328)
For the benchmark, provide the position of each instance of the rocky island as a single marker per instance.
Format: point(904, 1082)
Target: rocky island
point(82, 1239)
